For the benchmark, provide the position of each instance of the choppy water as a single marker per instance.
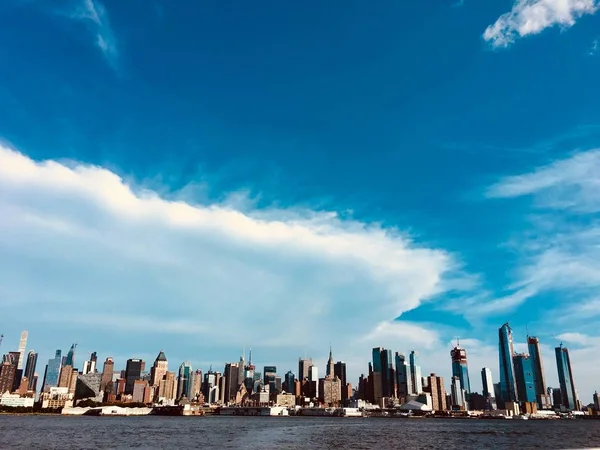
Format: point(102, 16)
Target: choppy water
point(56, 432)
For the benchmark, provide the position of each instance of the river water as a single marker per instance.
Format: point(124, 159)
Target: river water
point(57, 432)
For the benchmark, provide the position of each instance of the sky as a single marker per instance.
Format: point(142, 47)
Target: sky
point(206, 177)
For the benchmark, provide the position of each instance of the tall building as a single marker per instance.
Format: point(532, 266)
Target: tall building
point(384, 378)
point(565, 377)
point(541, 390)
point(596, 398)
point(457, 395)
point(313, 379)
point(435, 385)
point(460, 368)
point(52, 374)
point(30, 369)
point(22, 347)
point(290, 382)
point(330, 364)
point(70, 361)
point(183, 383)
point(339, 370)
point(403, 376)
point(489, 393)
point(415, 374)
point(303, 368)
point(269, 374)
point(133, 371)
point(508, 385)
point(90, 365)
point(107, 372)
point(231, 377)
point(524, 377)
point(7, 375)
point(196, 384)
point(159, 369)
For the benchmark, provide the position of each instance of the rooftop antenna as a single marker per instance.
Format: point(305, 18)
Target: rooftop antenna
point(250, 357)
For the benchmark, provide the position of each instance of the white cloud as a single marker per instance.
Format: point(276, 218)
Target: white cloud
point(529, 17)
point(125, 270)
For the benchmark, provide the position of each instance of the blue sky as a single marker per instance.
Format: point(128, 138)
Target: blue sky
point(204, 176)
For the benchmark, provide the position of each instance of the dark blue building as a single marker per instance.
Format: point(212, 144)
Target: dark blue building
point(508, 387)
point(525, 378)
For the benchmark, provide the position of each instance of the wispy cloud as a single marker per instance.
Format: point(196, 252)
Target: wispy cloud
point(594, 48)
point(94, 14)
point(528, 17)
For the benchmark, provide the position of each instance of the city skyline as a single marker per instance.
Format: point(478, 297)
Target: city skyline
point(387, 372)
point(294, 175)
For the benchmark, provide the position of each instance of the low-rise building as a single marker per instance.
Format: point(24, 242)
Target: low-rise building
point(16, 401)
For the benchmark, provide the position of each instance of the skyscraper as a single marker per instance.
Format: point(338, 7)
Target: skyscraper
point(415, 374)
point(290, 381)
point(107, 373)
point(52, 374)
point(435, 385)
point(30, 369)
point(508, 386)
point(90, 365)
point(71, 356)
point(330, 365)
point(541, 390)
point(159, 369)
point(22, 347)
point(565, 377)
point(384, 382)
point(524, 377)
point(7, 375)
point(460, 368)
point(404, 379)
point(339, 370)
point(133, 371)
point(183, 383)
point(303, 368)
point(457, 395)
point(489, 393)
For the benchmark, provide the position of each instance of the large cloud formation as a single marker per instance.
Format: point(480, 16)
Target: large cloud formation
point(93, 258)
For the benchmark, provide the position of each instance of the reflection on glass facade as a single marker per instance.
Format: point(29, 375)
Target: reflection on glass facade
point(524, 377)
point(508, 388)
point(565, 377)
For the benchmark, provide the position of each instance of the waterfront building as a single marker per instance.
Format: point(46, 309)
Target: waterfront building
point(403, 377)
point(183, 382)
point(415, 374)
point(22, 347)
point(133, 371)
point(596, 398)
point(489, 392)
point(565, 378)
point(508, 386)
point(539, 380)
point(231, 387)
point(435, 386)
point(460, 368)
point(89, 366)
point(30, 370)
point(167, 389)
point(88, 385)
point(16, 400)
point(303, 368)
point(524, 378)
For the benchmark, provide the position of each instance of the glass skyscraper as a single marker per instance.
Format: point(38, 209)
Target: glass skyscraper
point(53, 371)
point(71, 356)
point(565, 377)
point(415, 373)
point(508, 386)
point(184, 382)
point(403, 378)
point(524, 377)
point(460, 368)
